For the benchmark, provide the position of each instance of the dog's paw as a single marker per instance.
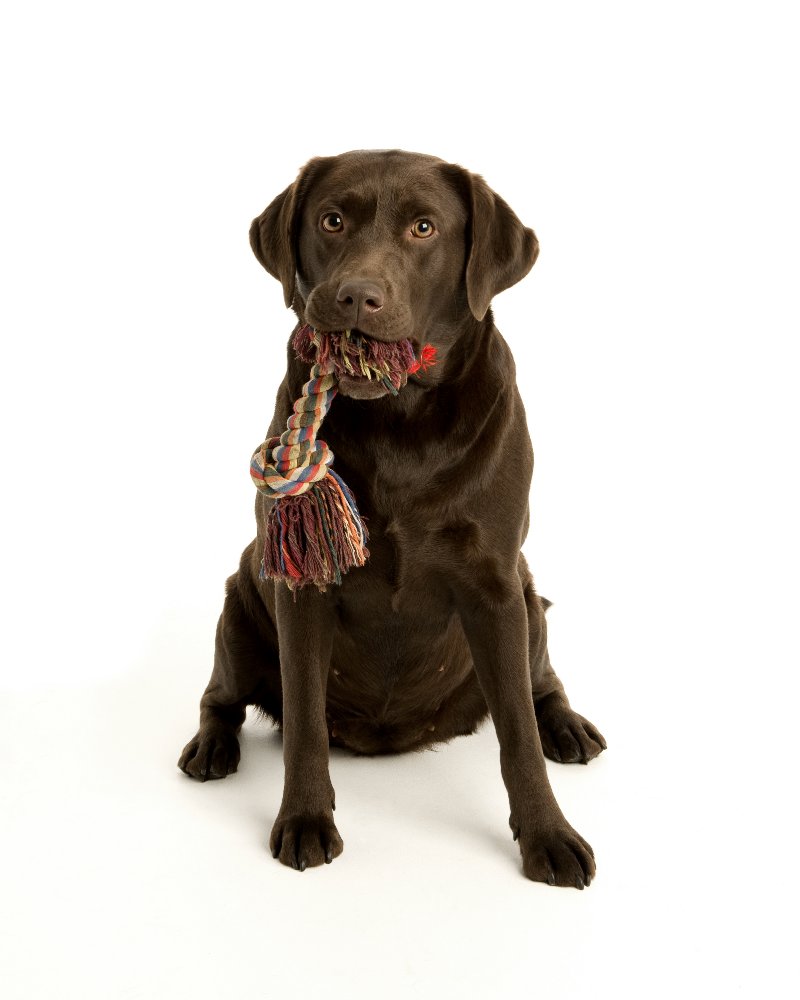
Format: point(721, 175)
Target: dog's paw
point(302, 841)
point(556, 855)
point(210, 754)
point(566, 736)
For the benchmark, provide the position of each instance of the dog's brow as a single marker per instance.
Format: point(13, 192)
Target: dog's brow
point(417, 206)
point(349, 199)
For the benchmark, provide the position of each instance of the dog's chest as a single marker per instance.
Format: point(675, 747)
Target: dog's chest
point(390, 662)
point(401, 581)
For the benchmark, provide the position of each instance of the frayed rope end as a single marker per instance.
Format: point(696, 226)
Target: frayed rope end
point(314, 537)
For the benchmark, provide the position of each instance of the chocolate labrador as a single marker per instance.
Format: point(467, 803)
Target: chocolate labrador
point(443, 624)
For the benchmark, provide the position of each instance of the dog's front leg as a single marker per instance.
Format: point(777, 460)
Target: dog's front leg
point(497, 632)
point(304, 833)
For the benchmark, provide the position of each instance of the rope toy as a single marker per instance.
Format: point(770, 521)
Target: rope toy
point(314, 530)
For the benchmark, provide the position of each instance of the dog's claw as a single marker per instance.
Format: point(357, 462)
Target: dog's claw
point(556, 855)
point(302, 841)
point(211, 753)
point(567, 737)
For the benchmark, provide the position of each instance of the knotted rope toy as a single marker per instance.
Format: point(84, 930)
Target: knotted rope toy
point(314, 530)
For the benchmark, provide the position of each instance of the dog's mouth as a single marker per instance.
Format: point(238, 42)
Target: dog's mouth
point(365, 367)
point(360, 387)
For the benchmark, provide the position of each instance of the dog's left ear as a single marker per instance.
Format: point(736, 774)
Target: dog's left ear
point(501, 250)
point(273, 235)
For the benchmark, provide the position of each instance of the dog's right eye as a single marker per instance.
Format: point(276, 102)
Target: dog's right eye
point(332, 222)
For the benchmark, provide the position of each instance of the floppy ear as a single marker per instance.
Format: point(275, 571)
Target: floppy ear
point(501, 249)
point(273, 234)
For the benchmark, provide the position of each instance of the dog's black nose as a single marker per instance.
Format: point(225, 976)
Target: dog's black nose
point(359, 298)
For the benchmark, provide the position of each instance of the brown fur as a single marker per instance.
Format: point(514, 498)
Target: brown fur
point(443, 624)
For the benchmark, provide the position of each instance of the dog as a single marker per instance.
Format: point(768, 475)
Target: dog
point(442, 625)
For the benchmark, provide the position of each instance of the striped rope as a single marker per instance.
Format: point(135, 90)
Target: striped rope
point(290, 464)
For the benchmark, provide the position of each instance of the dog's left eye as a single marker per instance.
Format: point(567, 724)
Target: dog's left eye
point(332, 222)
point(422, 228)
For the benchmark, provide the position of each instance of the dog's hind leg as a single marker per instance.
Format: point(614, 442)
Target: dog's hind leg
point(246, 672)
point(566, 736)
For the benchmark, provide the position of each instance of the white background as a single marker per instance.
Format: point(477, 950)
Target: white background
point(653, 148)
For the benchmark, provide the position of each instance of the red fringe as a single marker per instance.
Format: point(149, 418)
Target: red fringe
point(427, 357)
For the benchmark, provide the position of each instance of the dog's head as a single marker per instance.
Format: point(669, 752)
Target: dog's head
point(392, 244)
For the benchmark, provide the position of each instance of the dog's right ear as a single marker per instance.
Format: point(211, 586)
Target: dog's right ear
point(273, 235)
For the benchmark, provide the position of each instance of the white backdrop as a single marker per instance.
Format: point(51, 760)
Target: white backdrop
point(653, 147)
